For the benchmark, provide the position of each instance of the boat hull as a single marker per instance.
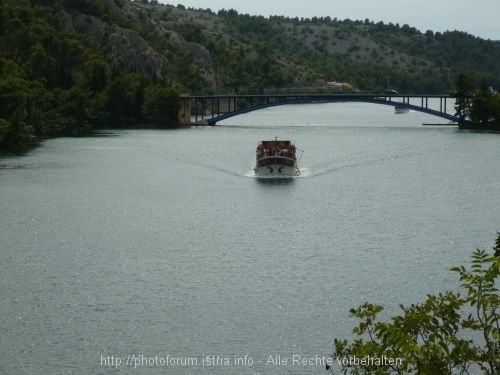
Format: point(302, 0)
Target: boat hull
point(277, 171)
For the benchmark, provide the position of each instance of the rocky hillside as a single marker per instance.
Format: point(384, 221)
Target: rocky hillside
point(202, 51)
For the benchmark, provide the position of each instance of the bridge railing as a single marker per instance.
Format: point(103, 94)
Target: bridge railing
point(213, 108)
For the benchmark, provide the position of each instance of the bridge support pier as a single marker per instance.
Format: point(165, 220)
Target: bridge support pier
point(185, 111)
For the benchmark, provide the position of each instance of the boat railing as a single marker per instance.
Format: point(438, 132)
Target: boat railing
point(284, 152)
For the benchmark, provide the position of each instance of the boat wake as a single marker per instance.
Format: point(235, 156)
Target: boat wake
point(304, 172)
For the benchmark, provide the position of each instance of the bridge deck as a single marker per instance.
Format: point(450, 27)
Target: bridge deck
point(215, 108)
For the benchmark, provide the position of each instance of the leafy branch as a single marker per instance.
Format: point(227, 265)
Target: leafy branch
point(429, 337)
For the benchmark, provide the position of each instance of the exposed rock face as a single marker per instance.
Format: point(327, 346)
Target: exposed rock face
point(123, 48)
point(90, 25)
point(202, 57)
point(127, 49)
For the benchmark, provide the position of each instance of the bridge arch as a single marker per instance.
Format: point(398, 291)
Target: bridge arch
point(223, 107)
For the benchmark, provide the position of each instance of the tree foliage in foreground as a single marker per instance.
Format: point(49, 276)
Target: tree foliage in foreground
point(435, 337)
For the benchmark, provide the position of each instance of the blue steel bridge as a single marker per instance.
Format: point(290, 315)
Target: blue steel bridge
point(210, 109)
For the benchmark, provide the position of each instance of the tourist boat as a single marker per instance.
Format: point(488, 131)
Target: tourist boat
point(276, 159)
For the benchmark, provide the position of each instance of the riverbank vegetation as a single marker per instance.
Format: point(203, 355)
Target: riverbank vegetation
point(68, 66)
point(477, 109)
point(448, 333)
point(54, 82)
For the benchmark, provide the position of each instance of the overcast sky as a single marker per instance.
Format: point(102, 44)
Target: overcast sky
point(477, 17)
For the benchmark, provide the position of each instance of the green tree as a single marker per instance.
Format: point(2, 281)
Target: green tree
point(138, 101)
point(161, 106)
point(19, 133)
point(92, 7)
point(464, 89)
point(98, 76)
point(119, 99)
point(42, 113)
point(70, 57)
point(430, 337)
point(4, 128)
point(18, 40)
point(72, 109)
point(485, 108)
point(482, 109)
point(496, 248)
point(41, 66)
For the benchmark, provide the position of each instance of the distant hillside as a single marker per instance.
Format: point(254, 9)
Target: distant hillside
point(253, 53)
point(71, 65)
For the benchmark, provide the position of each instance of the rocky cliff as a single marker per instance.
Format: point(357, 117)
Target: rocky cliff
point(198, 50)
point(144, 44)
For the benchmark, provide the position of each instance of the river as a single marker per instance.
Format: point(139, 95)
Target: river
point(142, 244)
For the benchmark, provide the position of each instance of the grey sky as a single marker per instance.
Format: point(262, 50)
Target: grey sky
point(479, 17)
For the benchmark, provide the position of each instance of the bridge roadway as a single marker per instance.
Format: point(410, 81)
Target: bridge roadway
point(210, 109)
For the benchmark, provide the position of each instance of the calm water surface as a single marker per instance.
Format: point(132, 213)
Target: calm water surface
point(161, 243)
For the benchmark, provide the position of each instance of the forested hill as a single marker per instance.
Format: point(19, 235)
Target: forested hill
point(68, 65)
